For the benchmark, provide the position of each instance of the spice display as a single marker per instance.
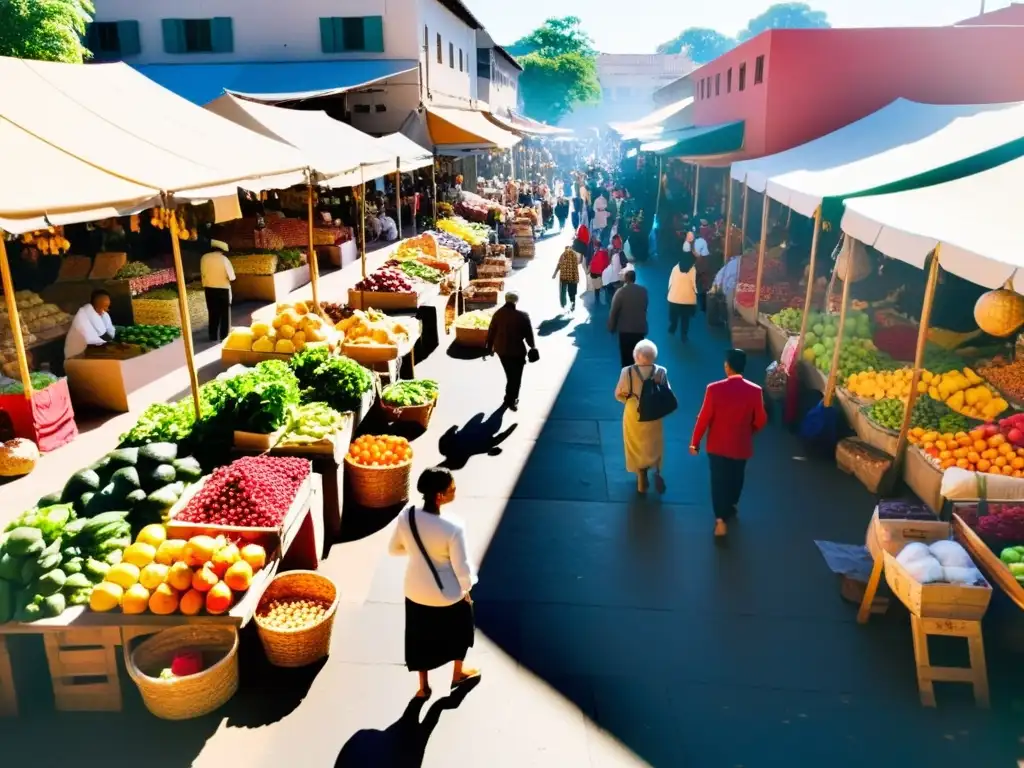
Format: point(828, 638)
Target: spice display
point(1007, 377)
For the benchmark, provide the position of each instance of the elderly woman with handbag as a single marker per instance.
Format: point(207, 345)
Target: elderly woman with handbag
point(438, 578)
point(648, 398)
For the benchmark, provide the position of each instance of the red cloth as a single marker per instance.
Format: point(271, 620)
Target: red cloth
point(617, 243)
point(732, 413)
point(600, 262)
point(583, 234)
point(47, 419)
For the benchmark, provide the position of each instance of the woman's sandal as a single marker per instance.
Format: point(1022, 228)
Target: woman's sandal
point(467, 675)
point(659, 484)
point(424, 693)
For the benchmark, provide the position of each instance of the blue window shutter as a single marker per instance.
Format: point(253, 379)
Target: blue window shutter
point(222, 34)
point(338, 25)
point(128, 38)
point(328, 42)
point(373, 34)
point(174, 35)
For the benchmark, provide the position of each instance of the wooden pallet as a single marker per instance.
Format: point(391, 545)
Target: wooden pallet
point(83, 669)
point(975, 675)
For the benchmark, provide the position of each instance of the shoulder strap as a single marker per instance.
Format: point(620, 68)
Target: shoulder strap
point(423, 550)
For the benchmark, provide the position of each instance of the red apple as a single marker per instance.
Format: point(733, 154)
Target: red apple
point(1015, 436)
point(990, 429)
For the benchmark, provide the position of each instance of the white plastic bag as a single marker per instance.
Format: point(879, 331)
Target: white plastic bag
point(951, 554)
point(912, 553)
point(962, 575)
point(926, 570)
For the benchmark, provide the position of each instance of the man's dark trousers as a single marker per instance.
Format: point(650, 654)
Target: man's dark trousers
point(513, 366)
point(726, 484)
point(627, 342)
point(218, 307)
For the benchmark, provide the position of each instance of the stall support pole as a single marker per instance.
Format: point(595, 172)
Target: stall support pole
point(398, 197)
point(743, 218)
point(726, 199)
point(696, 189)
point(760, 257)
point(833, 371)
point(789, 217)
point(314, 266)
point(728, 218)
point(922, 343)
point(15, 319)
point(186, 320)
point(657, 202)
point(362, 218)
point(809, 293)
point(433, 182)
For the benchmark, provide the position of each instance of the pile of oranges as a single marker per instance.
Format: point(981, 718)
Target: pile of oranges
point(293, 613)
point(981, 450)
point(379, 451)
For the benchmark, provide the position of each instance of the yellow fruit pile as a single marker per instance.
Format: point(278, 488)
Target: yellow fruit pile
point(165, 576)
point(963, 391)
point(292, 328)
point(460, 228)
point(981, 450)
point(372, 327)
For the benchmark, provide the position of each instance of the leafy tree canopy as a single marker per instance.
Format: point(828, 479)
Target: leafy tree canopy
point(700, 43)
point(555, 37)
point(47, 30)
point(552, 86)
point(785, 16)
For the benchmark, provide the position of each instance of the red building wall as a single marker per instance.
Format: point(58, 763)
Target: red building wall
point(816, 81)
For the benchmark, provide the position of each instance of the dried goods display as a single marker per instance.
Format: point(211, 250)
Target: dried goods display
point(292, 328)
point(1006, 376)
point(983, 449)
point(38, 316)
point(49, 242)
point(148, 337)
point(160, 306)
point(380, 451)
point(164, 576)
point(18, 456)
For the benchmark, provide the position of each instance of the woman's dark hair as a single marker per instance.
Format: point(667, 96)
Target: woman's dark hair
point(97, 294)
point(433, 481)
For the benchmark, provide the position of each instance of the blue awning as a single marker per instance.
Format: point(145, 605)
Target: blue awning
point(273, 81)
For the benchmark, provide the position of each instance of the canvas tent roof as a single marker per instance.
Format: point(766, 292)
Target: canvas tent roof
point(462, 130)
point(674, 115)
point(411, 154)
point(973, 218)
point(331, 148)
point(115, 119)
point(901, 146)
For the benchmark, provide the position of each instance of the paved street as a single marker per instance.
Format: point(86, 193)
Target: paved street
point(613, 631)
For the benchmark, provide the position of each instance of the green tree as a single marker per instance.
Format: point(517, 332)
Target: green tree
point(48, 30)
point(701, 44)
point(785, 16)
point(552, 86)
point(555, 37)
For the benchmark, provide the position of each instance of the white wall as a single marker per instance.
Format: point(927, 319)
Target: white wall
point(268, 30)
point(400, 96)
point(503, 97)
point(447, 84)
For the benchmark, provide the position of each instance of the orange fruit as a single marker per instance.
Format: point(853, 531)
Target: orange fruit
point(180, 576)
point(163, 601)
point(223, 558)
point(204, 578)
point(155, 574)
point(191, 602)
point(239, 576)
point(135, 599)
point(170, 551)
point(218, 599)
point(255, 556)
point(201, 548)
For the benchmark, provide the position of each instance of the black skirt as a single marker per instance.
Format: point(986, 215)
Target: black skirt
point(435, 636)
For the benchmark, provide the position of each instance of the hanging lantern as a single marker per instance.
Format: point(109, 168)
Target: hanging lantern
point(853, 259)
point(1000, 312)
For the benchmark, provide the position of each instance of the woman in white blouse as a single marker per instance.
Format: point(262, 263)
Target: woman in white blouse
point(438, 579)
point(682, 294)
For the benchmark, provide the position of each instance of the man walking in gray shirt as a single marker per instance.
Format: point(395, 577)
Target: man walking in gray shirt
point(628, 315)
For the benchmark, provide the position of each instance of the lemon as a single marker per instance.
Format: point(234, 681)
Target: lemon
point(154, 535)
point(139, 554)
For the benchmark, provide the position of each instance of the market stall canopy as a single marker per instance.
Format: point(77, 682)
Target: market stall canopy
point(275, 81)
point(411, 155)
point(698, 141)
point(331, 148)
point(672, 116)
point(113, 118)
point(47, 186)
point(973, 218)
point(459, 130)
point(524, 126)
point(901, 146)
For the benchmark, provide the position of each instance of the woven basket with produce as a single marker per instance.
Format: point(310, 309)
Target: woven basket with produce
point(379, 470)
point(410, 400)
point(295, 618)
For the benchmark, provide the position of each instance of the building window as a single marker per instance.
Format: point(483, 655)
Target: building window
point(728, 80)
point(709, 86)
point(718, 84)
point(702, 88)
point(743, 77)
point(451, 55)
point(440, 50)
point(198, 35)
point(113, 39)
point(343, 34)
point(460, 59)
point(484, 64)
point(759, 70)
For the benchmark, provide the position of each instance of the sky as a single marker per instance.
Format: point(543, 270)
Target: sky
point(638, 26)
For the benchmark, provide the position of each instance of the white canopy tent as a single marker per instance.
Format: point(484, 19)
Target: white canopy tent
point(973, 219)
point(411, 155)
point(331, 148)
point(111, 117)
point(899, 142)
point(678, 114)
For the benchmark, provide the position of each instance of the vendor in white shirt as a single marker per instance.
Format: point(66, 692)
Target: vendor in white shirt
point(700, 247)
point(92, 326)
point(217, 274)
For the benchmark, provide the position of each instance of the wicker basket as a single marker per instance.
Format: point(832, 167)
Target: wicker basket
point(298, 647)
point(183, 698)
point(379, 487)
point(471, 337)
point(420, 414)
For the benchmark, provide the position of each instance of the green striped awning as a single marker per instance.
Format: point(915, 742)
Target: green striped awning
point(698, 141)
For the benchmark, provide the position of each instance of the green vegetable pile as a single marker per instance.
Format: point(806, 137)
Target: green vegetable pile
point(403, 394)
point(162, 423)
point(421, 271)
point(337, 381)
point(259, 401)
point(311, 423)
point(929, 414)
point(50, 558)
point(132, 269)
point(788, 319)
point(39, 379)
point(289, 258)
point(478, 318)
point(939, 360)
point(858, 352)
point(148, 337)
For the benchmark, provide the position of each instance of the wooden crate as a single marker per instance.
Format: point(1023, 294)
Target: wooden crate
point(894, 535)
point(382, 301)
point(751, 338)
point(83, 669)
point(936, 601)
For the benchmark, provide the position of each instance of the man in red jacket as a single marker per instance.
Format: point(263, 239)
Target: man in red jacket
point(732, 413)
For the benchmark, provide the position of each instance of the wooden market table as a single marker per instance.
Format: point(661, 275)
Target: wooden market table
point(119, 385)
point(81, 645)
